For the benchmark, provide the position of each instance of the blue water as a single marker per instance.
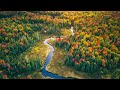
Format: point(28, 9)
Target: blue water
point(49, 74)
point(44, 71)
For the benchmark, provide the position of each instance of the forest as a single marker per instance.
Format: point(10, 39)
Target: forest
point(59, 44)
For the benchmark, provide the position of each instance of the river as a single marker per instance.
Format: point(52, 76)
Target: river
point(44, 71)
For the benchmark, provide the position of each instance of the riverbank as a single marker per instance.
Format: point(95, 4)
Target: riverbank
point(57, 66)
point(39, 50)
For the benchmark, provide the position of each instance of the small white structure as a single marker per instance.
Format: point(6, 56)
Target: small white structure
point(72, 30)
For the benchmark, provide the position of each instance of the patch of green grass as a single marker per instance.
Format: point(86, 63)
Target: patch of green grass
point(38, 50)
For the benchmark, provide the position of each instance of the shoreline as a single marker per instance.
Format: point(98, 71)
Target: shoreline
point(56, 65)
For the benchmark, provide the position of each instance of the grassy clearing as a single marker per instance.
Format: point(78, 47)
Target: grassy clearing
point(66, 32)
point(38, 50)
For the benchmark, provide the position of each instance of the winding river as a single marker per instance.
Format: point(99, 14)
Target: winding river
point(44, 71)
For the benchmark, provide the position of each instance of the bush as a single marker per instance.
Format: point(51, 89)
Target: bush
point(116, 74)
